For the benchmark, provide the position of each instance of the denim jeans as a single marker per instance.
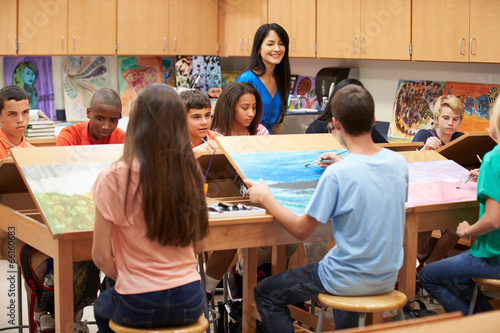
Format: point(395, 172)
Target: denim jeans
point(449, 281)
point(177, 306)
point(273, 294)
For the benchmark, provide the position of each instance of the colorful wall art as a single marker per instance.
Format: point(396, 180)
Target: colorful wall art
point(82, 77)
point(34, 75)
point(305, 87)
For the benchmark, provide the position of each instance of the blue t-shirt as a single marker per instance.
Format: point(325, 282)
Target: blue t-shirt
point(364, 196)
point(271, 105)
point(424, 134)
point(488, 186)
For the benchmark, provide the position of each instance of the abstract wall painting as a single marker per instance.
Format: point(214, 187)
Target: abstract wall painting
point(305, 87)
point(183, 70)
point(291, 182)
point(213, 76)
point(413, 108)
point(62, 192)
point(435, 182)
point(82, 77)
point(135, 73)
point(168, 70)
point(34, 75)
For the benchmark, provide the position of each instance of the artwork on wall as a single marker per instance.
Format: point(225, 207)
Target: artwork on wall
point(413, 108)
point(134, 73)
point(229, 77)
point(435, 182)
point(82, 77)
point(290, 181)
point(213, 76)
point(168, 70)
point(62, 193)
point(478, 99)
point(34, 75)
point(183, 70)
point(305, 87)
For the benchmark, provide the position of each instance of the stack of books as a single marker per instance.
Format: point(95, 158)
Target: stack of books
point(40, 129)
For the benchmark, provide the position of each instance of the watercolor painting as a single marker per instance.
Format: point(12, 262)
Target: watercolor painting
point(436, 182)
point(291, 182)
point(199, 70)
point(134, 73)
point(305, 87)
point(478, 99)
point(183, 70)
point(34, 75)
point(213, 76)
point(82, 77)
point(168, 71)
point(62, 192)
point(412, 110)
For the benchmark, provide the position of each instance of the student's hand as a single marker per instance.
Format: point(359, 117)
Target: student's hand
point(258, 192)
point(461, 228)
point(475, 174)
point(210, 145)
point(329, 158)
point(432, 143)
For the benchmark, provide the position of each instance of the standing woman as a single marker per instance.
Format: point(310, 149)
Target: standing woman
point(269, 72)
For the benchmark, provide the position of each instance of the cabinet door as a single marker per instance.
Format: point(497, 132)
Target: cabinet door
point(484, 27)
point(241, 19)
point(8, 25)
point(338, 28)
point(193, 27)
point(42, 27)
point(440, 30)
point(142, 27)
point(385, 29)
point(92, 27)
point(303, 35)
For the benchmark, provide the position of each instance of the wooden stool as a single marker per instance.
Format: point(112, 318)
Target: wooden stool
point(362, 304)
point(197, 327)
point(488, 283)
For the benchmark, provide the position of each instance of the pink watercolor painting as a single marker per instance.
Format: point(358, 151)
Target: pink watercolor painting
point(435, 182)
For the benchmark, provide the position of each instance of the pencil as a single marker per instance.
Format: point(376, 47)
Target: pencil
point(7, 142)
point(436, 138)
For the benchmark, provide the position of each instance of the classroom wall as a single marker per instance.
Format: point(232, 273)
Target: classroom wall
point(379, 77)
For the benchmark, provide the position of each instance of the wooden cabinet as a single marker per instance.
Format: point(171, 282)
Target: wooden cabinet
point(298, 18)
point(484, 43)
point(43, 27)
point(92, 27)
point(142, 27)
point(8, 27)
point(192, 27)
point(240, 21)
point(364, 29)
point(67, 27)
point(440, 30)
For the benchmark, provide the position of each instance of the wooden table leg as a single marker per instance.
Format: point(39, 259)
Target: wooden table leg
point(278, 259)
point(63, 287)
point(408, 272)
point(249, 282)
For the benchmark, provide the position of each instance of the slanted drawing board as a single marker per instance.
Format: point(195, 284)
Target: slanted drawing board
point(280, 161)
point(464, 149)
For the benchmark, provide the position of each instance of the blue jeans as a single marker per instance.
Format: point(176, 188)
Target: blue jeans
point(449, 281)
point(273, 294)
point(172, 307)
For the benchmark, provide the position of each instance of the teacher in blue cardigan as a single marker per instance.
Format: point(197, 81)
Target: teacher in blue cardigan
point(269, 72)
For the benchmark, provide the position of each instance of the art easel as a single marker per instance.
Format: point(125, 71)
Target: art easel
point(401, 146)
point(464, 149)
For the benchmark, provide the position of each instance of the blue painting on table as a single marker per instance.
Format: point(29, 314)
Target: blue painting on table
point(290, 181)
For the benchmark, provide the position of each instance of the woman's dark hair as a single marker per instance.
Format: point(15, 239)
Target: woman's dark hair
point(224, 109)
point(281, 71)
point(326, 116)
point(170, 182)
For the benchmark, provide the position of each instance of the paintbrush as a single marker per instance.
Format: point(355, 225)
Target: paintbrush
point(436, 138)
point(465, 182)
point(479, 158)
point(7, 142)
point(323, 160)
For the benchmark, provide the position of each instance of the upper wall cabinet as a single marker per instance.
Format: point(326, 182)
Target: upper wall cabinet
point(240, 21)
point(8, 27)
point(484, 27)
point(441, 30)
point(142, 27)
point(60, 27)
point(192, 27)
point(364, 29)
point(298, 18)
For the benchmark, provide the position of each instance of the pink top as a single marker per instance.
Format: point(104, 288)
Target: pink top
point(143, 265)
point(261, 130)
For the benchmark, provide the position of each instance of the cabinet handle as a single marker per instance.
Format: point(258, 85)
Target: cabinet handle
point(62, 43)
point(175, 43)
point(361, 45)
point(353, 51)
point(241, 45)
point(471, 46)
point(461, 39)
point(246, 44)
point(164, 43)
point(74, 43)
point(292, 44)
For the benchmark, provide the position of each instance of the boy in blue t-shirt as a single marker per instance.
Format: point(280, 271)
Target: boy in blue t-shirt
point(364, 196)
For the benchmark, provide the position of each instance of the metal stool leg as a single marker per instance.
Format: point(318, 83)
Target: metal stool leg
point(321, 318)
point(473, 299)
point(361, 319)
